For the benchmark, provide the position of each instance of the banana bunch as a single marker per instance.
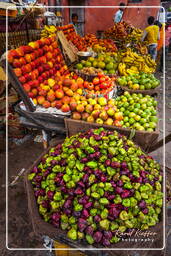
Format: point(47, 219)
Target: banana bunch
point(124, 71)
point(48, 31)
point(133, 63)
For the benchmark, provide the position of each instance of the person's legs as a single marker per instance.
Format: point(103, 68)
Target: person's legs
point(152, 50)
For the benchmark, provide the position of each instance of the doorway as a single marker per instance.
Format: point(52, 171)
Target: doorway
point(80, 12)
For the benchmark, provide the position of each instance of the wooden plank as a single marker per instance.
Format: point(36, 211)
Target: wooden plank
point(66, 47)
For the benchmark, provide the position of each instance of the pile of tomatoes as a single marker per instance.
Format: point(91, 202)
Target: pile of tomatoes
point(101, 85)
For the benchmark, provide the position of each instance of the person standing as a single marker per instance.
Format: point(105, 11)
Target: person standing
point(119, 14)
point(151, 35)
point(75, 23)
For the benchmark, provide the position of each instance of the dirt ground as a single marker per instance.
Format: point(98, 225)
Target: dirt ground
point(20, 232)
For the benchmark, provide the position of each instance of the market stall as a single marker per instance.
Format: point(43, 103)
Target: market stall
point(101, 93)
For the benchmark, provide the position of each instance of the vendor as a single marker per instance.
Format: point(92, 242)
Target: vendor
point(151, 35)
point(74, 21)
point(119, 14)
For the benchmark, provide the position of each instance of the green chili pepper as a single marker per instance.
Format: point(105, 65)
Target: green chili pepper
point(52, 187)
point(89, 239)
point(112, 150)
point(133, 201)
point(158, 210)
point(79, 165)
point(111, 137)
point(70, 151)
point(93, 142)
point(68, 171)
point(100, 191)
point(72, 157)
point(144, 227)
point(117, 199)
point(75, 178)
point(144, 195)
point(104, 213)
point(136, 174)
point(129, 224)
point(72, 234)
point(122, 228)
point(115, 239)
point(124, 178)
point(104, 201)
point(94, 226)
point(31, 176)
point(92, 178)
point(80, 235)
point(113, 226)
point(126, 202)
point(159, 202)
point(108, 187)
point(137, 195)
point(90, 220)
point(151, 221)
point(50, 182)
point(46, 217)
point(101, 185)
point(158, 185)
point(90, 150)
point(122, 151)
point(95, 195)
point(92, 164)
point(42, 210)
point(44, 184)
point(102, 159)
point(94, 187)
point(131, 151)
point(128, 185)
point(64, 226)
point(54, 205)
point(93, 212)
point(111, 171)
point(88, 192)
point(66, 177)
point(72, 220)
point(78, 207)
point(141, 216)
point(71, 164)
point(104, 150)
point(40, 199)
point(64, 218)
point(123, 215)
point(49, 159)
point(137, 185)
point(104, 224)
point(56, 168)
point(102, 167)
point(57, 196)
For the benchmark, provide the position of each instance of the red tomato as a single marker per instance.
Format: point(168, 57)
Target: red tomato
point(102, 79)
point(97, 88)
point(96, 80)
point(100, 75)
point(86, 84)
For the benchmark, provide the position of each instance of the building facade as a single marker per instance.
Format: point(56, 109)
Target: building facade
point(99, 19)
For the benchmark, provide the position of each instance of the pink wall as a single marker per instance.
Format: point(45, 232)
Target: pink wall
point(102, 18)
point(138, 16)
